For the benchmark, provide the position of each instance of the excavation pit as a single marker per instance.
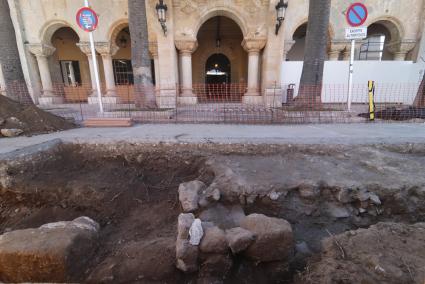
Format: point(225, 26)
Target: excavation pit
point(326, 193)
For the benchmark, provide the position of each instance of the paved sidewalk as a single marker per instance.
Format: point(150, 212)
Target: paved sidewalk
point(395, 133)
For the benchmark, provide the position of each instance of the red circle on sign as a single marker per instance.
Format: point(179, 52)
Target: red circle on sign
point(89, 15)
point(352, 9)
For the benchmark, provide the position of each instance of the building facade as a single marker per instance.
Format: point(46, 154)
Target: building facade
point(220, 42)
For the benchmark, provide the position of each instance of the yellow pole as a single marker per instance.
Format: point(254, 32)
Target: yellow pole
point(371, 86)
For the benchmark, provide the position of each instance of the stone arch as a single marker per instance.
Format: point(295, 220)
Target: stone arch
point(393, 25)
point(228, 12)
point(116, 28)
point(206, 53)
point(331, 30)
point(296, 51)
point(49, 28)
point(385, 36)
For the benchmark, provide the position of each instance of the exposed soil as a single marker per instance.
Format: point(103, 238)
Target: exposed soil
point(29, 118)
point(398, 113)
point(131, 191)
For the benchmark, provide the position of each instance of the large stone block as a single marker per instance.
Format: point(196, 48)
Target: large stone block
point(274, 238)
point(55, 252)
point(189, 194)
point(214, 241)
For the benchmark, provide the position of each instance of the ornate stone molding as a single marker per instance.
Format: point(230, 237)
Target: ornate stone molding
point(85, 47)
point(336, 47)
point(106, 48)
point(186, 46)
point(401, 46)
point(254, 45)
point(41, 49)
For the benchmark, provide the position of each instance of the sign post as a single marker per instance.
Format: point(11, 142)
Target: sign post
point(87, 20)
point(356, 16)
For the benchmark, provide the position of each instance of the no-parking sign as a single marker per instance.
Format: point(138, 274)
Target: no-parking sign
point(356, 14)
point(87, 19)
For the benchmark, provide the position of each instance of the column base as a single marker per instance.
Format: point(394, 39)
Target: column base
point(188, 100)
point(252, 99)
point(111, 93)
point(105, 100)
point(50, 100)
point(273, 97)
point(166, 98)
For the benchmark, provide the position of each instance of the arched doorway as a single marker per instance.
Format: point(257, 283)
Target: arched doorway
point(69, 68)
point(218, 76)
point(296, 53)
point(218, 69)
point(380, 35)
point(220, 64)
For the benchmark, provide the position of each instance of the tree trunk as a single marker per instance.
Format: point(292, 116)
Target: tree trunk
point(315, 52)
point(10, 63)
point(143, 83)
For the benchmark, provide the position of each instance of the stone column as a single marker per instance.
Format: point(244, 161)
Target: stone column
point(253, 47)
point(42, 52)
point(85, 48)
point(186, 48)
point(107, 50)
point(401, 49)
point(289, 43)
point(153, 49)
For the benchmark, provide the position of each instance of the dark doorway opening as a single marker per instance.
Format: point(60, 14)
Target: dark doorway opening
point(218, 76)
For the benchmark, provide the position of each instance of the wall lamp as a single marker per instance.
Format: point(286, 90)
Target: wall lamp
point(280, 10)
point(161, 10)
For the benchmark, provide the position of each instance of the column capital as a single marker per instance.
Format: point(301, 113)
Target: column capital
point(153, 49)
point(106, 48)
point(403, 46)
point(41, 49)
point(85, 47)
point(186, 46)
point(254, 44)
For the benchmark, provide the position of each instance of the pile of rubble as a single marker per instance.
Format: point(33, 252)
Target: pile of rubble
point(211, 234)
point(17, 119)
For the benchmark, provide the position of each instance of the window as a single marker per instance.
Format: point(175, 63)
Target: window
point(71, 73)
point(373, 49)
point(123, 72)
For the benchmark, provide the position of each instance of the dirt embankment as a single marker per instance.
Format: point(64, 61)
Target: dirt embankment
point(29, 118)
point(333, 197)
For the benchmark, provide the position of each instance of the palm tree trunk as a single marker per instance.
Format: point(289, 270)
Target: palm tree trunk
point(10, 63)
point(315, 52)
point(143, 83)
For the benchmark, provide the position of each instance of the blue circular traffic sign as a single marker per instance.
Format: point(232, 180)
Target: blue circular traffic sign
point(356, 14)
point(87, 19)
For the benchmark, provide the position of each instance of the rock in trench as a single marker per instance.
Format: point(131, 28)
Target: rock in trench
point(214, 241)
point(189, 195)
point(55, 252)
point(183, 225)
point(239, 239)
point(13, 132)
point(274, 238)
point(187, 256)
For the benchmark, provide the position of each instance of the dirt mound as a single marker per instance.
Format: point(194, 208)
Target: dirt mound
point(384, 253)
point(29, 118)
